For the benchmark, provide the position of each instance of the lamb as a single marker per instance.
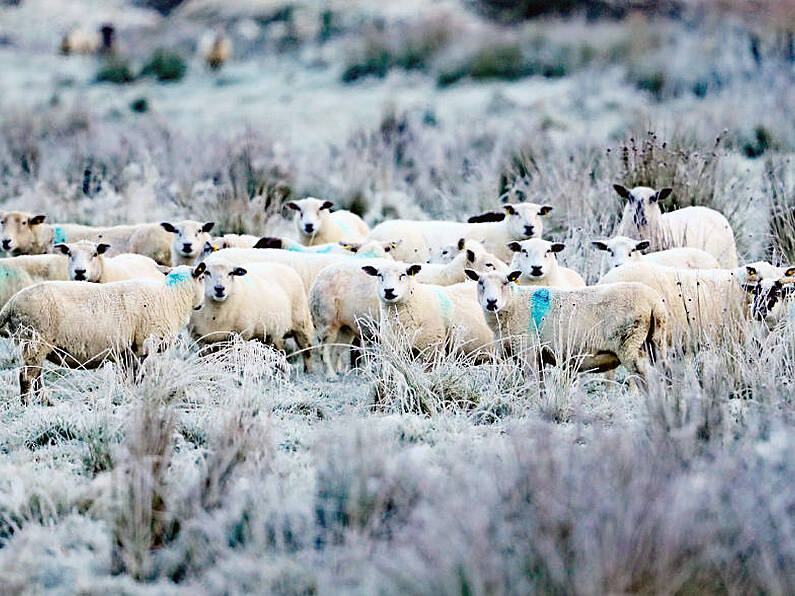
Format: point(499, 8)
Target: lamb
point(342, 296)
point(264, 301)
point(188, 240)
point(20, 272)
point(599, 327)
point(87, 262)
point(317, 225)
point(535, 258)
point(433, 317)
point(695, 227)
point(621, 249)
point(24, 233)
point(422, 239)
point(79, 324)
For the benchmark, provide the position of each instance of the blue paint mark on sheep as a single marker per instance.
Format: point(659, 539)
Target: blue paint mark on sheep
point(310, 249)
point(539, 306)
point(178, 277)
point(445, 306)
point(5, 273)
point(58, 235)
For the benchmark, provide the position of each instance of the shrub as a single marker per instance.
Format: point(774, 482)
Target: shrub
point(165, 65)
point(116, 70)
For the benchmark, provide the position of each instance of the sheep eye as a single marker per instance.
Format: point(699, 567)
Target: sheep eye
point(402, 275)
point(24, 223)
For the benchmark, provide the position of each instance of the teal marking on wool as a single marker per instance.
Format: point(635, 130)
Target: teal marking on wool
point(59, 235)
point(311, 249)
point(6, 273)
point(366, 255)
point(539, 306)
point(178, 277)
point(445, 306)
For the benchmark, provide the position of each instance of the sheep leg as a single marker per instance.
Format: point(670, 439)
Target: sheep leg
point(304, 342)
point(356, 351)
point(30, 376)
point(327, 339)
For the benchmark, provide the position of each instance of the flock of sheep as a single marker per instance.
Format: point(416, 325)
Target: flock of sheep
point(488, 288)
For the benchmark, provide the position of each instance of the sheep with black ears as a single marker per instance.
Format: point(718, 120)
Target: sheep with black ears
point(535, 258)
point(622, 249)
point(88, 262)
point(316, 224)
point(696, 227)
point(263, 301)
point(189, 238)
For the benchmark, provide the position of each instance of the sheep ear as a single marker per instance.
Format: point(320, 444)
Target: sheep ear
point(509, 209)
point(208, 226)
point(470, 256)
point(102, 248)
point(642, 245)
point(487, 217)
point(513, 276)
point(750, 271)
point(545, 209)
point(208, 247)
point(473, 275)
point(599, 244)
point(238, 271)
point(353, 247)
point(514, 246)
point(413, 270)
point(37, 219)
point(292, 205)
point(326, 205)
point(661, 194)
point(62, 248)
point(557, 246)
point(168, 227)
point(269, 242)
point(370, 270)
point(622, 192)
point(462, 243)
point(198, 270)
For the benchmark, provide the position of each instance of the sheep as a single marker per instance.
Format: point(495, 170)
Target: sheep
point(433, 317)
point(445, 254)
point(316, 224)
point(188, 240)
point(621, 249)
point(535, 258)
point(217, 243)
point(342, 296)
point(371, 249)
point(598, 327)
point(84, 41)
point(80, 324)
point(20, 272)
point(695, 227)
point(701, 303)
point(770, 289)
point(264, 301)
point(422, 239)
point(217, 52)
point(24, 233)
point(87, 262)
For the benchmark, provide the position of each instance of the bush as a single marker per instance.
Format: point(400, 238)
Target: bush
point(165, 65)
point(115, 70)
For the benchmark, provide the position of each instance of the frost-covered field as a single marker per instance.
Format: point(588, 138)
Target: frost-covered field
point(236, 473)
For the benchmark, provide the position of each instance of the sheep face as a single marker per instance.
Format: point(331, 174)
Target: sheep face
point(309, 215)
point(394, 281)
point(371, 249)
point(220, 280)
point(85, 259)
point(178, 277)
point(494, 288)
point(189, 237)
point(621, 250)
point(768, 287)
point(20, 232)
point(448, 252)
point(643, 204)
point(213, 245)
point(523, 220)
point(535, 257)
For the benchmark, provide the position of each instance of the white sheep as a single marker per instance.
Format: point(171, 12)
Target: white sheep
point(422, 239)
point(88, 262)
point(343, 296)
point(316, 224)
point(217, 243)
point(622, 249)
point(431, 317)
point(263, 301)
point(695, 227)
point(444, 254)
point(368, 249)
point(535, 258)
point(188, 240)
point(20, 272)
point(598, 327)
point(80, 324)
point(24, 233)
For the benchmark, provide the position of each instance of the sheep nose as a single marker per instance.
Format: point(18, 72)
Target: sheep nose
point(309, 228)
point(186, 246)
point(491, 303)
point(80, 274)
point(389, 293)
point(6, 243)
point(536, 271)
point(528, 230)
point(219, 290)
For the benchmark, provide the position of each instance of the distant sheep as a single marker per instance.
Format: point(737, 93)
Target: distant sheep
point(432, 317)
point(694, 227)
point(422, 239)
point(535, 258)
point(88, 262)
point(20, 272)
point(24, 233)
point(218, 52)
point(84, 41)
point(621, 250)
point(80, 324)
point(264, 301)
point(316, 224)
point(188, 240)
point(598, 327)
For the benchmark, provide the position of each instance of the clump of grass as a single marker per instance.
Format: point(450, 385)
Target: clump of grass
point(115, 69)
point(780, 188)
point(165, 65)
